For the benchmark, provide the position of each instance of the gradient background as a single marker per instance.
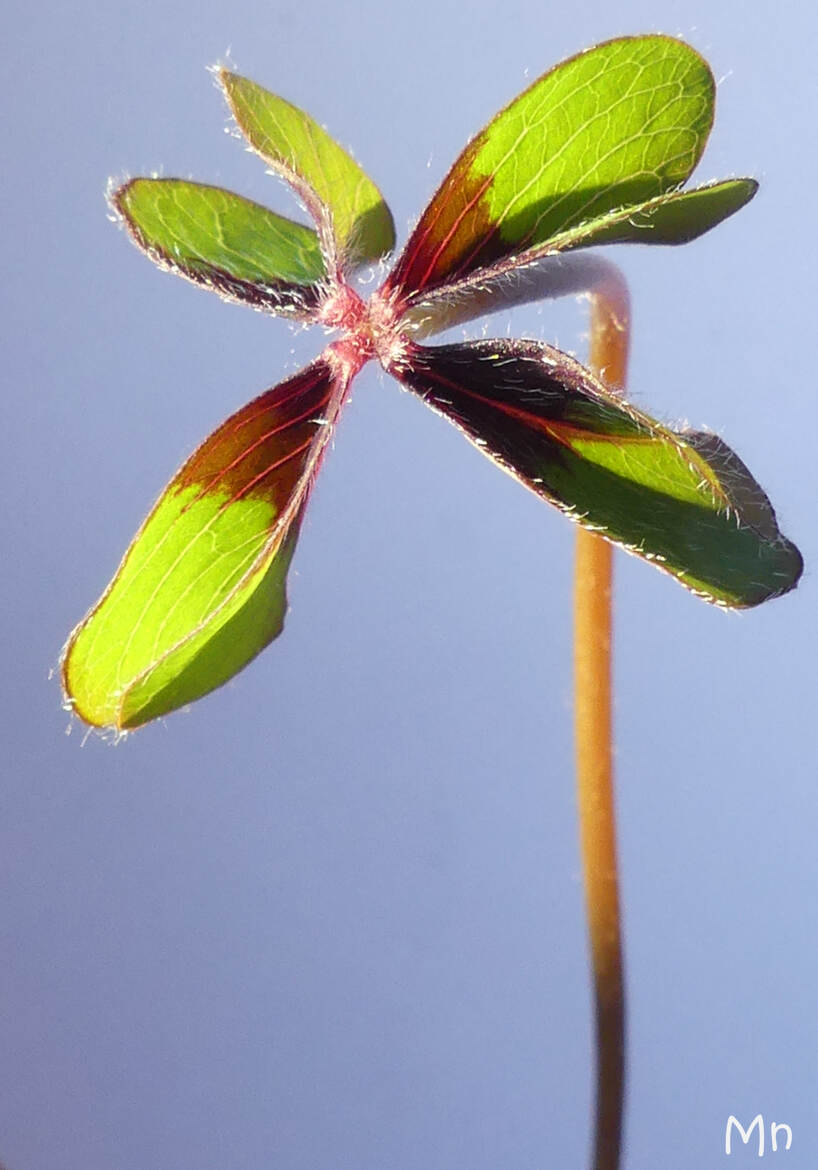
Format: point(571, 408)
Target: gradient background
point(332, 916)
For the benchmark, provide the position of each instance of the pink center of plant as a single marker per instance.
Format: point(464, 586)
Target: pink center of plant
point(370, 329)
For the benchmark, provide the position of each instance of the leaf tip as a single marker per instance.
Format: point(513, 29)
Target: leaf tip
point(75, 700)
point(113, 188)
point(117, 195)
point(751, 187)
point(217, 68)
point(228, 82)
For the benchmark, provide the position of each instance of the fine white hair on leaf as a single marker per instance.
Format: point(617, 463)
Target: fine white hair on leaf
point(115, 182)
point(223, 63)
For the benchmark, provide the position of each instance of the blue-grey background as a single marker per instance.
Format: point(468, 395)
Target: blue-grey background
point(332, 916)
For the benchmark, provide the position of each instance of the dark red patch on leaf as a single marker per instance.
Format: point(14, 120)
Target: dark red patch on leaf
point(455, 234)
point(525, 405)
point(264, 449)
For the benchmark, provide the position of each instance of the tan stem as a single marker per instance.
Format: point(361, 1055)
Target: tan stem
point(593, 728)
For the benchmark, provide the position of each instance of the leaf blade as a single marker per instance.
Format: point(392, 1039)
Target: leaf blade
point(685, 502)
point(610, 128)
point(220, 240)
point(676, 218)
point(349, 209)
point(201, 590)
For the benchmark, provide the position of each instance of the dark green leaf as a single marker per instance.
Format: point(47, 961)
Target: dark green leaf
point(684, 502)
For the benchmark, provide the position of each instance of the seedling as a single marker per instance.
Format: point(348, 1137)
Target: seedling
point(594, 152)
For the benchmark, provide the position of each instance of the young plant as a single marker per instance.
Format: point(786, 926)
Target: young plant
point(594, 152)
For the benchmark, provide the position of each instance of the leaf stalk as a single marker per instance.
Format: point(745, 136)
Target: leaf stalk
point(610, 323)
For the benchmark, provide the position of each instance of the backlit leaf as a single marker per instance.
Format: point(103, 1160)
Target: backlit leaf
point(683, 501)
point(220, 240)
point(594, 152)
point(349, 209)
point(201, 590)
point(676, 218)
point(605, 131)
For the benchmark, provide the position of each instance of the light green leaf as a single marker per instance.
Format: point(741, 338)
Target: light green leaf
point(350, 212)
point(610, 129)
point(201, 590)
point(220, 240)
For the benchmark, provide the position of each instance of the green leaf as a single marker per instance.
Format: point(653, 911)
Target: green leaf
point(201, 590)
point(671, 219)
point(220, 240)
point(350, 212)
point(676, 218)
point(609, 129)
point(685, 502)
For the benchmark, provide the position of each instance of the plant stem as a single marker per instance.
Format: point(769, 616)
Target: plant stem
point(593, 727)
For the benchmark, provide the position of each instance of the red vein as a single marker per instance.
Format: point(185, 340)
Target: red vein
point(300, 387)
point(308, 413)
point(453, 230)
point(262, 474)
point(559, 431)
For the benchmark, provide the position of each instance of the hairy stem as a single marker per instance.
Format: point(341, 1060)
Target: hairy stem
point(593, 729)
